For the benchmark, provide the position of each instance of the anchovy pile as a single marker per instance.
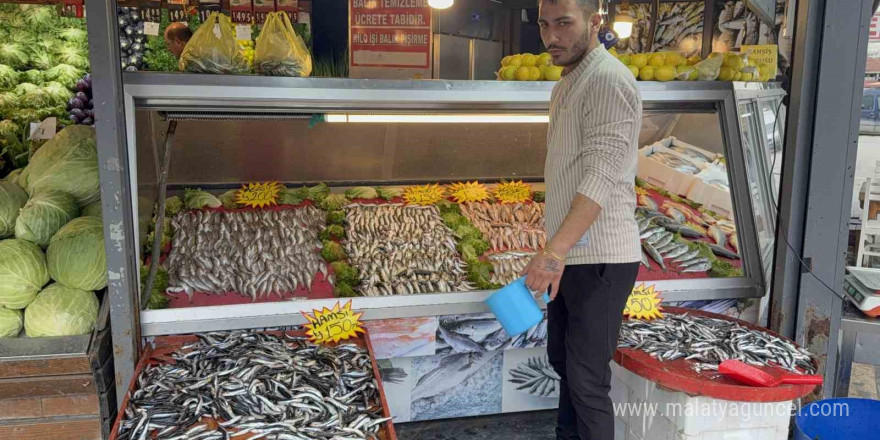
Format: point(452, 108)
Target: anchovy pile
point(507, 266)
point(254, 253)
point(709, 341)
point(515, 226)
point(255, 385)
point(402, 250)
point(536, 377)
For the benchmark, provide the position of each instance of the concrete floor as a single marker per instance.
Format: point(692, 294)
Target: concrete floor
point(538, 425)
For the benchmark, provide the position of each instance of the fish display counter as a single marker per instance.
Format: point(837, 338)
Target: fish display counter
point(416, 200)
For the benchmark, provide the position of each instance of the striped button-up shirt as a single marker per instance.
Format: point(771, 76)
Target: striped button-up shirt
point(592, 148)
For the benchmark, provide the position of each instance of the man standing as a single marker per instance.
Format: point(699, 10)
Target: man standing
point(590, 263)
point(176, 37)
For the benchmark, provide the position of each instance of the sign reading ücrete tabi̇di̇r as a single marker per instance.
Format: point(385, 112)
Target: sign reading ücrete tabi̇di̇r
point(643, 303)
point(258, 195)
point(390, 33)
point(333, 324)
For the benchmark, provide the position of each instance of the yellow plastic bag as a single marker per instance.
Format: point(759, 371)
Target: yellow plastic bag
point(213, 49)
point(280, 51)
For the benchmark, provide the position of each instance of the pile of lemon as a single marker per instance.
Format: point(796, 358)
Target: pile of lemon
point(528, 67)
point(669, 66)
point(246, 47)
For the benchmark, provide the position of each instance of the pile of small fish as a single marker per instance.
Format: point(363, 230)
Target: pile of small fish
point(709, 341)
point(536, 377)
point(508, 265)
point(257, 385)
point(254, 253)
point(738, 25)
point(514, 226)
point(477, 333)
point(403, 250)
point(658, 228)
point(675, 162)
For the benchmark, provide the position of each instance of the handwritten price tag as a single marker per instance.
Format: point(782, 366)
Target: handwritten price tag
point(643, 303)
point(151, 28)
point(258, 195)
point(333, 324)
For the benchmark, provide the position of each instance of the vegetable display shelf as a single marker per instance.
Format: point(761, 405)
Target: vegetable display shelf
point(161, 349)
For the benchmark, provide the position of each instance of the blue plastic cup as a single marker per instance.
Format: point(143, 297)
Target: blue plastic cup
point(515, 307)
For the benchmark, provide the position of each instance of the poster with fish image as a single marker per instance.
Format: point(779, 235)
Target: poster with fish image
point(641, 31)
point(680, 28)
point(479, 332)
point(397, 381)
point(529, 381)
point(736, 26)
point(456, 385)
point(403, 337)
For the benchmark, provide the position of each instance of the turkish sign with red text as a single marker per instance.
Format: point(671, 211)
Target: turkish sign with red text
point(390, 33)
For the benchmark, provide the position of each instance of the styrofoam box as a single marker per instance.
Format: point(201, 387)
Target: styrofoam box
point(712, 197)
point(662, 175)
point(673, 141)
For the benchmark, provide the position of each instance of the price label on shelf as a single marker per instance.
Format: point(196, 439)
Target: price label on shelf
point(258, 195)
point(643, 303)
point(151, 28)
point(334, 324)
point(44, 130)
point(242, 32)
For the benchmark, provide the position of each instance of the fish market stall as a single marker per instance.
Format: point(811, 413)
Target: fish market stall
point(415, 200)
point(672, 365)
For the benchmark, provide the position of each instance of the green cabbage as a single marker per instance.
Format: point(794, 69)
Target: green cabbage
point(74, 35)
point(13, 55)
point(228, 199)
point(335, 218)
point(333, 202)
point(65, 74)
point(61, 311)
point(12, 198)
point(41, 58)
point(25, 88)
point(8, 128)
point(66, 163)
point(43, 215)
point(8, 77)
point(332, 231)
point(389, 192)
point(22, 273)
point(198, 199)
point(10, 322)
point(33, 76)
point(332, 251)
point(317, 193)
point(13, 176)
point(538, 196)
point(344, 290)
point(361, 192)
point(76, 254)
point(72, 54)
point(345, 273)
point(173, 205)
point(92, 209)
point(290, 197)
point(39, 17)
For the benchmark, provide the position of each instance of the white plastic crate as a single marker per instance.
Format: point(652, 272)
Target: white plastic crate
point(662, 175)
point(712, 197)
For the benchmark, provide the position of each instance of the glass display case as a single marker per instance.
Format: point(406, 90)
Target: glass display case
point(387, 134)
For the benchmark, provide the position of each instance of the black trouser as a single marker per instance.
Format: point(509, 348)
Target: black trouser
point(583, 324)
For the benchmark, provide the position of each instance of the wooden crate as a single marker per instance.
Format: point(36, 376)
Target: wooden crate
point(57, 388)
point(165, 345)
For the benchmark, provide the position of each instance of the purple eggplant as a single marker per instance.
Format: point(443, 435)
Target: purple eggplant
point(74, 119)
point(78, 112)
point(75, 103)
point(90, 113)
point(88, 121)
point(82, 97)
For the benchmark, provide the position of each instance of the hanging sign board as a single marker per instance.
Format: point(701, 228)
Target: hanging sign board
point(151, 10)
point(177, 10)
point(73, 8)
point(390, 34)
point(289, 7)
point(242, 11)
point(262, 8)
point(206, 7)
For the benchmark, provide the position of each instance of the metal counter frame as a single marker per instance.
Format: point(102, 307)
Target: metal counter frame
point(852, 322)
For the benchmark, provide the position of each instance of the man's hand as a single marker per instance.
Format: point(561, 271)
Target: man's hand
point(542, 273)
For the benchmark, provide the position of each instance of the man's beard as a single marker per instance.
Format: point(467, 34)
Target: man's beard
point(578, 50)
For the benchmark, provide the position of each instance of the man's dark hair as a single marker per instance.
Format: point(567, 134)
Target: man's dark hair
point(180, 33)
point(590, 7)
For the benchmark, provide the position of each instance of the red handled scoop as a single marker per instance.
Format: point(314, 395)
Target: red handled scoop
point(760, 377)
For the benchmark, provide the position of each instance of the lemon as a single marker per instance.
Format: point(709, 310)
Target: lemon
point(657, 60)
point(528, 60)
point(523, 73)
point(545, 59)
point(726, 74)
point(640, 60)
point(675, 59)
point(634, 70)
point(746, 76)
point(534, 73)
point(664, 73)
point(613, 51)
point(626, 59)
point(693, 60)
point(515, 61)
point(693, 76)
point(508, 73)
point(682, 73)
point(733, 61)
point(646, 73)
point(737, 76)
point(553, 73)
point(505, 61)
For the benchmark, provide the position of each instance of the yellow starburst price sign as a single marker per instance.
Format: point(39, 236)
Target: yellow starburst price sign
point(258, 195)
point(643, 303)
point(333, 324)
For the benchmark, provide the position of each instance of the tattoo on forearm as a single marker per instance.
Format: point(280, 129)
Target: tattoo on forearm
point(551, 265)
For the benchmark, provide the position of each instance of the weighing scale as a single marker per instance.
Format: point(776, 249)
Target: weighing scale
point(862, 285)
